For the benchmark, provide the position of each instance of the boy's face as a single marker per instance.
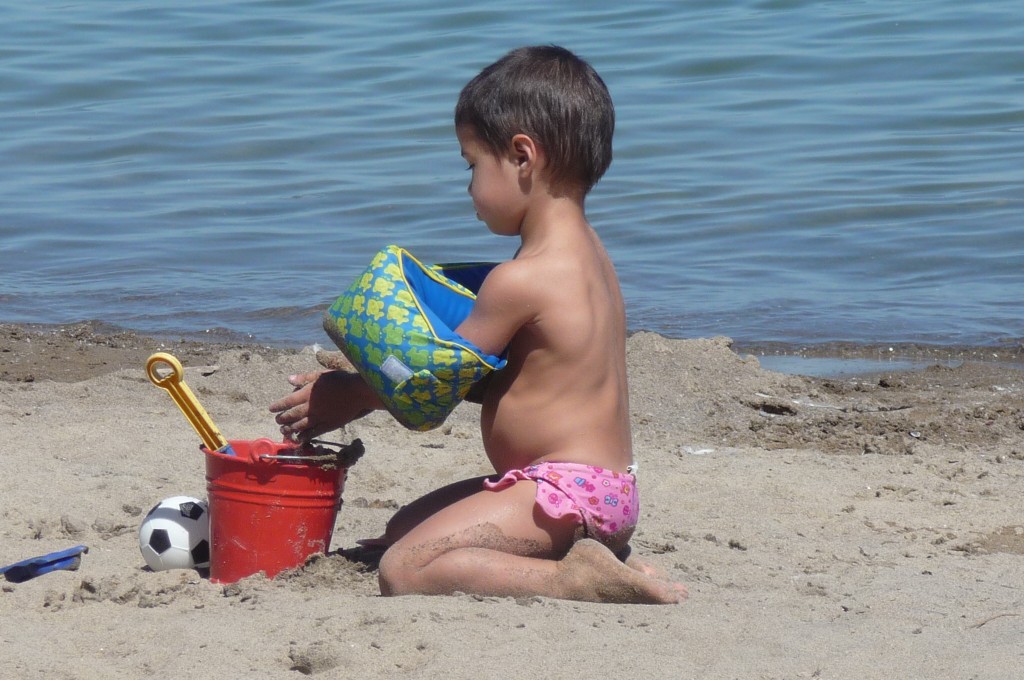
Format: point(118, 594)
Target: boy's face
point(497, 196)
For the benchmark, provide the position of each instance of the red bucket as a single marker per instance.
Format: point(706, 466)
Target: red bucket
point(272, 505)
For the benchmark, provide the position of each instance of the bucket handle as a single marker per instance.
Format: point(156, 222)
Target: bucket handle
point(346, 455)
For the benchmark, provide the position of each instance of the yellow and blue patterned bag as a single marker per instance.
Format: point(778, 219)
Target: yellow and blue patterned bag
point(396, 323)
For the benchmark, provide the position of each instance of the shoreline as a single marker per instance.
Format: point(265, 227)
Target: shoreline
point(836, 359)
point(1008, 352)
point(98, 343)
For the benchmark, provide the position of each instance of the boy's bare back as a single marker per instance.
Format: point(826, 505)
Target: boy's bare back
point(563, 396)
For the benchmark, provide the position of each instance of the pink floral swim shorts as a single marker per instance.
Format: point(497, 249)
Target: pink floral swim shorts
point(605, 502)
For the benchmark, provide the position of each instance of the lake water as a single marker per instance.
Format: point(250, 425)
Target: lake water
point(785, 171)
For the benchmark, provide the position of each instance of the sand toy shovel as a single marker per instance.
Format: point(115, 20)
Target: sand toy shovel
point(175, 385)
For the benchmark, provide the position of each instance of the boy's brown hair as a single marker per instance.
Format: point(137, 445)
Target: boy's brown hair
point(552, 96)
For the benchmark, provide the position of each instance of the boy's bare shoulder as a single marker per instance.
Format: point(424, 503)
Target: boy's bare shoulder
point(521, 288)
point(521, 274)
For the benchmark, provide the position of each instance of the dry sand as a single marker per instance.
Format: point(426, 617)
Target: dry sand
point(868, 527)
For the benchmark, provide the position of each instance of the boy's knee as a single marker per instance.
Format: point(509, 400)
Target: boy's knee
point(393, 575)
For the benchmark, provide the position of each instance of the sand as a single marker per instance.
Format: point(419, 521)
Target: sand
point(864, 527)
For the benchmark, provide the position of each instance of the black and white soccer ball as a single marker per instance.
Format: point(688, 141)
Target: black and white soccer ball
point(175, 534)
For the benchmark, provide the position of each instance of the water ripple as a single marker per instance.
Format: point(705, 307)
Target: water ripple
point(785, 170)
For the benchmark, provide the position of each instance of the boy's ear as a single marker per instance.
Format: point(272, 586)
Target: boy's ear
point(525, 152)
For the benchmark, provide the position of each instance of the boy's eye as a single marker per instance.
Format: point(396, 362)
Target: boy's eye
point(471, 166)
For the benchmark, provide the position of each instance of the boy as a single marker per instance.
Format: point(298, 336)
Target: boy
point(536, 130)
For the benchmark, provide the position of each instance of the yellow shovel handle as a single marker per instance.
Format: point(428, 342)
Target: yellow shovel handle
point(175, 385)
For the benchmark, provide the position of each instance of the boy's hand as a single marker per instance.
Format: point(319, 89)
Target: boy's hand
point(322, 401)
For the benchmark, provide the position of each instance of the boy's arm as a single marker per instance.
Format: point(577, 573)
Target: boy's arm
point(323, 401)
point(327, 400)
point(503, 305)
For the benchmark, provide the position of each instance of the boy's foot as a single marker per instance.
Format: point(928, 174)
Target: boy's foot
point(631, 560)
point(645, 567)
point(598, 576)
